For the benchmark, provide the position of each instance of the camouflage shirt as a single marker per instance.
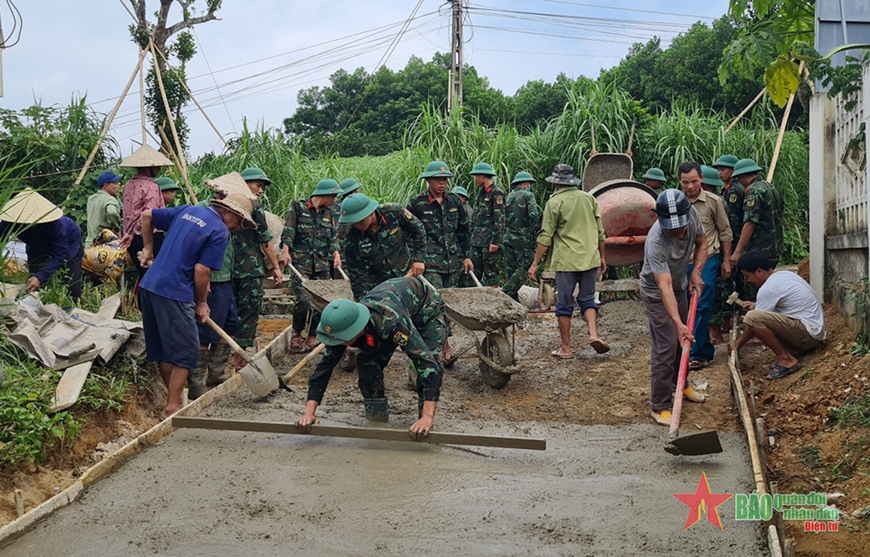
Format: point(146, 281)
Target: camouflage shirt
point(488, 221)
point(311, 235)
point(523, 219)
point(447, 231)
point(249, 259)
point(733, 197)
point(373, 257)
point(763, 206)
point(398, 308)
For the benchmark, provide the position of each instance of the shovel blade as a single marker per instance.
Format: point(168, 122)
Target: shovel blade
point(695, 444)
point(260, 376)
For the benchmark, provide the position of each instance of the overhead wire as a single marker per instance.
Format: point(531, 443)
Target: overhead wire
point(214, 79)
point(635, 10)
point(17, 26)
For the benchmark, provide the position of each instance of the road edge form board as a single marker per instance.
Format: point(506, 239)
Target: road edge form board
point(274, 350)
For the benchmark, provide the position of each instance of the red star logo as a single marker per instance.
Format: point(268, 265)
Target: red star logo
point(702, 501)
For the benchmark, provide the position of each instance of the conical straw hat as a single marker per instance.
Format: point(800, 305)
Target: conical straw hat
point(231, 183)
point(145, 157)
point(29, 207)
point(239, 205)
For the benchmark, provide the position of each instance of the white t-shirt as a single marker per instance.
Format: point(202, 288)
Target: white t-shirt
point(786, 293)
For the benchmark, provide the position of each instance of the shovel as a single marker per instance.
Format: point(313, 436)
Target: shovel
point(696, 443)
point(259, 375)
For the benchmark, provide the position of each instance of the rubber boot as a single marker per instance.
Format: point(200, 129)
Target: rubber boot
point(196, 386)
point(219, 356)
point(377, 409)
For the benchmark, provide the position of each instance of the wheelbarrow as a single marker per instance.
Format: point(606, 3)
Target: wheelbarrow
point(322, 292)
point(494, 312)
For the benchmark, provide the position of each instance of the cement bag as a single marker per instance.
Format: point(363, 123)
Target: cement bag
point(528, 296)
point(104, 260)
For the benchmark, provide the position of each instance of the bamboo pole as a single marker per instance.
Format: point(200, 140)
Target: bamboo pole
point(201, 109)
point(782, 126)
point(746, 418)
point(182, 167)
point(174, 157)
point(108, 123)
point(142, 96)
point(19, 503)
point(747, 109)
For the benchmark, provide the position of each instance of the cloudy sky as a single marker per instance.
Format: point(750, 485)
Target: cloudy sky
point(253, 61)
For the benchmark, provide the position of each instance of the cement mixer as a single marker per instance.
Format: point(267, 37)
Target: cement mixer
point(627, 215)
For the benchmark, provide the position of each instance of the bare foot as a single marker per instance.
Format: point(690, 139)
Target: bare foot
point(170, 410)
point(311, 343)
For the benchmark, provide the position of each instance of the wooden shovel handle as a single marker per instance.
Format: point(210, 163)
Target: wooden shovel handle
point(229, 340)
point(474, 278)
point(343, 274)
point(296, 272)
point(304, 361)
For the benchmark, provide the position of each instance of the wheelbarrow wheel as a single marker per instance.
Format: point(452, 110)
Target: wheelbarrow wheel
point(497, 348)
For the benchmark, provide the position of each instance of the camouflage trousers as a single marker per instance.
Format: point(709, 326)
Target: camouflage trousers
point(249, 300)
point(517, 260)
point(302, 310)
point(487, 266)
point(370, 365)
point(445, 280)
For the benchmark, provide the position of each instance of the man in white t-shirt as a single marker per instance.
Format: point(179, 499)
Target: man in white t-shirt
point(787, 315)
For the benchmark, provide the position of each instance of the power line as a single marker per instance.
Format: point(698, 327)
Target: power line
point(217, 87)
point(627, 9)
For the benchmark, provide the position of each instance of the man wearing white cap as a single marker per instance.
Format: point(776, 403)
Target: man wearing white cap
point(53, 241)
point(676, 239)
point(174, 293)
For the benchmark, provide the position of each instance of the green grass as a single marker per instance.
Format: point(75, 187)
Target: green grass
point(855, 412)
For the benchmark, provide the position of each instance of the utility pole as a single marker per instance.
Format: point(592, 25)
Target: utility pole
point(454, 94)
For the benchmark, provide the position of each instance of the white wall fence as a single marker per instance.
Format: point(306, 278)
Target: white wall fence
point(839, 207)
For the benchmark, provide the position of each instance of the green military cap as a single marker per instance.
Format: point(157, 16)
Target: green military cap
point(356, 207)
point(254, 173)
point(522, 177)
point(711, 177)
point(725, 160)
point(482, 168)
point(655, 174)
point(167, 184)
point(327, 186)
point(437, 169)
point(459, 190)
point(341, 321)
point(745, 166)
point(348, 185)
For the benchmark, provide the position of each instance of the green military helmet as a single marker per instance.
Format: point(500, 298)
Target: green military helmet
point(711, 176)
point(167, 184)
point(254, 173)
point(522, 177)
point(327, 186)
point(459, 190)
point(437, 169)
point(356, 207)
point(482, 168)
point(348, 186)
point(725, 160)
point(745, 166)
point(341, 321)
point(655, 174)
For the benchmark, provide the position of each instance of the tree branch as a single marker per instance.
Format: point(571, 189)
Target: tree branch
point(188, 23)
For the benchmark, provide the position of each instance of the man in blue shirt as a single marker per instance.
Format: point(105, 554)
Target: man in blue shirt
point(53, 241)
point(175, 289)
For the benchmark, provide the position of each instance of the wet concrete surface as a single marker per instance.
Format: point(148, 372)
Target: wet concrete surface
point(597, 490)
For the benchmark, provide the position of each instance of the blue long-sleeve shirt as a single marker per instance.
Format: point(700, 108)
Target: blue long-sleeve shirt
point(59, 241)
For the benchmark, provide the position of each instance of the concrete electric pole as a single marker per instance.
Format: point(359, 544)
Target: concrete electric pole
point(454, 94)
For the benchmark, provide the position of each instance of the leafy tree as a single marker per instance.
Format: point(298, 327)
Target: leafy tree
point(685, 72)
point(174, 80)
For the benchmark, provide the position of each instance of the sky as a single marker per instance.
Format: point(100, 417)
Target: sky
point(253, 61)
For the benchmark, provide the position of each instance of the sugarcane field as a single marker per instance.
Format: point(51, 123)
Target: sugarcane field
point(435, 278)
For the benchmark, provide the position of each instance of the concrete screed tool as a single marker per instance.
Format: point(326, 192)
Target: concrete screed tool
point(697, 443)
point(259, 375)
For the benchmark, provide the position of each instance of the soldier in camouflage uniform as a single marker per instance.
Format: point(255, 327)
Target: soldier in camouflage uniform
point(488, 225)
point(448, 247)
point(404, 313)
point(311, 236)
point(250, 250)
point(465, 281)
point(523, 218)
point(732, 194)
point(762, 214)
point(349, 187)
point(383, 242)
point(447, 228)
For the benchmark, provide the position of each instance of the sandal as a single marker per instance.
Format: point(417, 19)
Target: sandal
point(778, 371)
point(562, 356)
point(599, 345)
point(695, 365)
